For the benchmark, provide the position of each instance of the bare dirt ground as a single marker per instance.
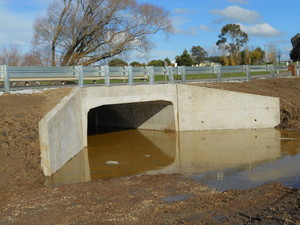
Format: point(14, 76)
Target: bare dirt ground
point(160, 199)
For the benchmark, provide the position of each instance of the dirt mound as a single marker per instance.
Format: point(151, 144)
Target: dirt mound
point(19, 136)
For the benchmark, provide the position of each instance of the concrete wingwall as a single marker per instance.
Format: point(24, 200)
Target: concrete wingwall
point(203, 108)
point(61, 135)
point(63, 131)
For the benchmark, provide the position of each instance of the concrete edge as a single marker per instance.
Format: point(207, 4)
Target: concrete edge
point(60, 105)
point(44, 147)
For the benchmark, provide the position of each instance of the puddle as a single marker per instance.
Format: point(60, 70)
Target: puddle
point(176, 198)
point(238, 159)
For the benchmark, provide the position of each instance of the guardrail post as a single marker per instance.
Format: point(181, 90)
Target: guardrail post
point(272, 69)
point(219, 73)
point(170, 73)
point(248, 75)
point(214, 69)
point(181, 70)
point(104, 71)
point(150, 74)
point(4, 74)
point(129, 73)
point(78, 70)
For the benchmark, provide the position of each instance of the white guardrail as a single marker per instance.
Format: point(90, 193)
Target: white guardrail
point(148, 74)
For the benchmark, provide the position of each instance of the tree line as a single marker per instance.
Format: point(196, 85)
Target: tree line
point(232, 44)
point(86, 32)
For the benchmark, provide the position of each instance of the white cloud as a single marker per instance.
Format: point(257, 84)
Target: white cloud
point(205, 28)
point(190, 31)
point(179, 21)
point(214, 50)
point(239, 1)
point(261, 30)
point(181, 27)
point(180, 10)
point(237, 14)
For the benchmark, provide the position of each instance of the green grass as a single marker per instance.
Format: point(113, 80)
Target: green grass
point(159, 78)
point(208, 76)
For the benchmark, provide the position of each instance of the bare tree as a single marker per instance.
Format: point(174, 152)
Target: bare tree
point(87, 31)
point(32, 58)
point(279, 54)
point(271, 53)
point(10, 55)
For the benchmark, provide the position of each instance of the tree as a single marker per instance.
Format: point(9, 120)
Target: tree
point(198, 54)
point(271, 53)
point(185, 59)
point(168, 62)
point(251, 57)
point(87, 31)
point(245, 57)
point(32, 58)
point(216, 59)
point(156, 63)
point(236, 40)
point(136, 64)
point(295, 52)
point(117, 62)
point(10, 55)
point(257, 56)
point(279, 54)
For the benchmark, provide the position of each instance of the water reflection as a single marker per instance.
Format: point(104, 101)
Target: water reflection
point(75, 171)
point(131, 151)
point(223, 159)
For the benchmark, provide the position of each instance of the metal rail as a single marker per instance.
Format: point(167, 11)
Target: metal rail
point(105, 75)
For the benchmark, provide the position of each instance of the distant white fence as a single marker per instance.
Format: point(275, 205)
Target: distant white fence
point(132, 75)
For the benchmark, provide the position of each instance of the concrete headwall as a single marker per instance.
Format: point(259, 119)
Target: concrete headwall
point(61, 135)
point(116, 95)
point(63, 131)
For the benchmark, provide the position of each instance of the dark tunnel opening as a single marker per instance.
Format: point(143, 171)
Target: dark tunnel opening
point(116, 117)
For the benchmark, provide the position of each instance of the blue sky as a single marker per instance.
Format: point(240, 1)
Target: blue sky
point(196, 22)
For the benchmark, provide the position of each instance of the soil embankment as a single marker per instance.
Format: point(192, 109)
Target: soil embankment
point(134, 200)
point(19, 136)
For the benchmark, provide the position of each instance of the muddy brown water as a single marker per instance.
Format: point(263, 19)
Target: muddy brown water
point(232, 159)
